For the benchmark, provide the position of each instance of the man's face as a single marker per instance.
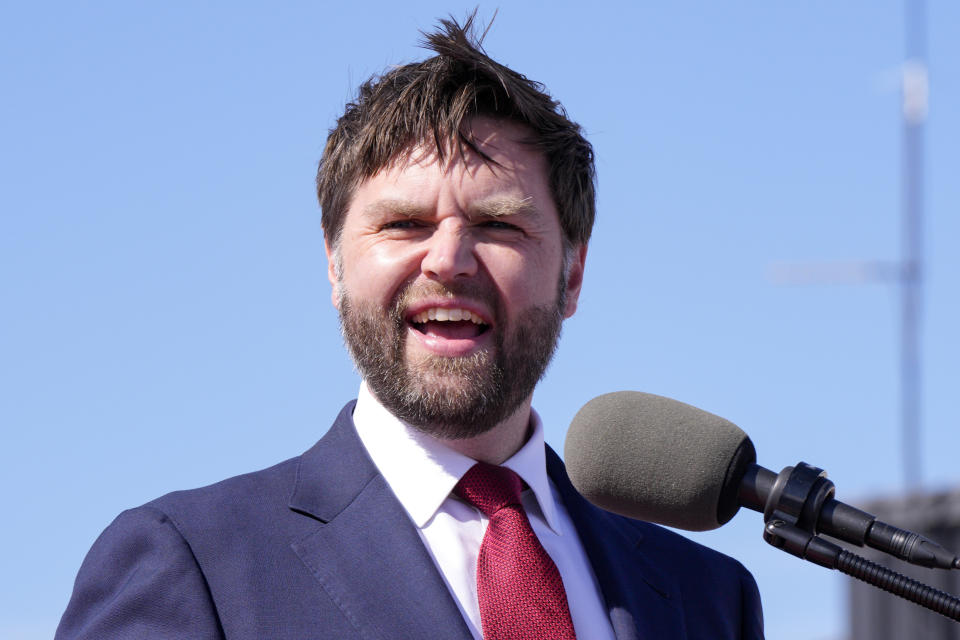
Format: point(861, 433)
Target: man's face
point(451, 282)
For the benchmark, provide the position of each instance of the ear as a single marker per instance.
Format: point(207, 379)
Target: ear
point(575, 279)
point(332, 272)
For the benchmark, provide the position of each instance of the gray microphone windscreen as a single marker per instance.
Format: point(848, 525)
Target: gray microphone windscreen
point(657, 459)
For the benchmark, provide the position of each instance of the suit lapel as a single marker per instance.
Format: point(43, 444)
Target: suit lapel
point(640, 597)
point(365, 552)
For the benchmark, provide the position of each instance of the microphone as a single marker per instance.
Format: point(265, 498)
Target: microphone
point(652, 458)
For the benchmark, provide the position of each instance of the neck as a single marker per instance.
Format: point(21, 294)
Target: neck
point(499, 443)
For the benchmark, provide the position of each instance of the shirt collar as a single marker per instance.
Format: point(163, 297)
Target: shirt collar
point(422, 470)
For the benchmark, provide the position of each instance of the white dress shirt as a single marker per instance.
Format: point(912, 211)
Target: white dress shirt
point(422, 472)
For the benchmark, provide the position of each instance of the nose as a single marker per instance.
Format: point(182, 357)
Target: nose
point(450, 253)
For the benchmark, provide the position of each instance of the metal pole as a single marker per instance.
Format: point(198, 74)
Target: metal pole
point(915, 92)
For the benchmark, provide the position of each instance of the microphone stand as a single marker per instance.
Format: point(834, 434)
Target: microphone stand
point(796, 500)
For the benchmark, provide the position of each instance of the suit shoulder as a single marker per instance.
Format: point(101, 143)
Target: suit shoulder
point(670, 543)
point(237, 504)
point(263, 493)
point(140, 579)
point(720, 585)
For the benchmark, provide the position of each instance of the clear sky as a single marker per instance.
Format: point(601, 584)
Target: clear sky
point(166, 319)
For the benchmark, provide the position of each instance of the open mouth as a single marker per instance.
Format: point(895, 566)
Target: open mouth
point(449, 324)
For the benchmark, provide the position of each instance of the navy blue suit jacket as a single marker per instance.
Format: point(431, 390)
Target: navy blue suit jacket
point(318, 547)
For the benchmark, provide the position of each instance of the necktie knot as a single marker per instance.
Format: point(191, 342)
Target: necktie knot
point(489, 488)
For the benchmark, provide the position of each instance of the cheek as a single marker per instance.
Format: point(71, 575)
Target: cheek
point(524, 278)
point(373, 273)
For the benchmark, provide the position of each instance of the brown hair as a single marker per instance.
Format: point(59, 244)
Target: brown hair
point(430, 101)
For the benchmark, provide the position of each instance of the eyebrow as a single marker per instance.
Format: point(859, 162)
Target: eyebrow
point(496, 207)
point(502, 206)
point(398, 206)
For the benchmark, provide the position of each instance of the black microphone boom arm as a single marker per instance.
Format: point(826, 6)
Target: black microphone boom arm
point(798, 503)
point(803, 496)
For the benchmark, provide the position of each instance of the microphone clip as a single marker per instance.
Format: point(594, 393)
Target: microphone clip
point(798, 496)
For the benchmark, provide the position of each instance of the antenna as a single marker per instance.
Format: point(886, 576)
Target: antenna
point(908, 272)
point(914, 93)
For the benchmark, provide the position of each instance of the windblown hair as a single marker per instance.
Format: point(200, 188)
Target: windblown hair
point(431, 102)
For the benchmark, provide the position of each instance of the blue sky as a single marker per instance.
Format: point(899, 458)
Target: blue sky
point(166, 315)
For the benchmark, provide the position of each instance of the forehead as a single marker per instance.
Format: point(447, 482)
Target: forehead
point(509, 163)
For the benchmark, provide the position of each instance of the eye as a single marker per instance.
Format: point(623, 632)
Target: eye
point(401, 225)
point(499, 224)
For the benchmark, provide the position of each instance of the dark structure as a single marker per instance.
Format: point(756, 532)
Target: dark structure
point(877, 615)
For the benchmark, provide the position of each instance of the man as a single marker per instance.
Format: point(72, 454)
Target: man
point(457, 205)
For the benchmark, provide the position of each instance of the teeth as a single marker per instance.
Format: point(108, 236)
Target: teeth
point(442, 314)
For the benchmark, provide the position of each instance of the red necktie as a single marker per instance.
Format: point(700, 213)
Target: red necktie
point(520, 590)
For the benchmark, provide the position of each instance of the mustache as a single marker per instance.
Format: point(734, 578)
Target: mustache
point(483, 292)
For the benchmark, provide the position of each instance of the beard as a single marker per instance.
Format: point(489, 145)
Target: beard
point(451, 397)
